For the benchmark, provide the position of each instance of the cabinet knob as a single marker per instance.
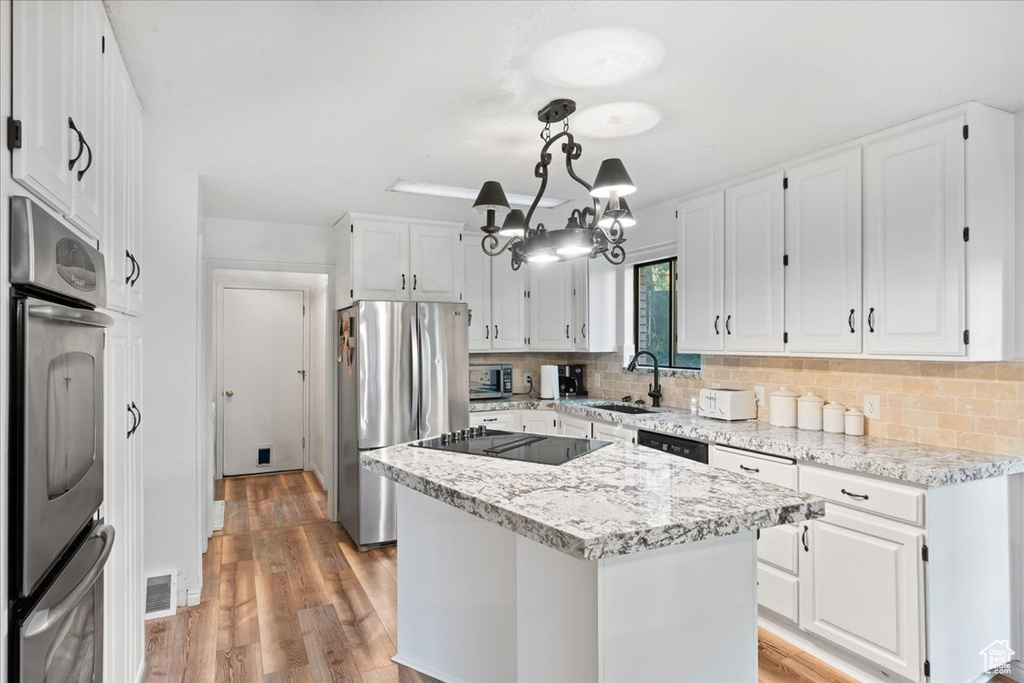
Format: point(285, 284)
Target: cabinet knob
point(229, 393)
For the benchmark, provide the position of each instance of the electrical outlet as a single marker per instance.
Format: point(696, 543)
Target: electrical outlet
point(759, 395)
point(716, 385)
point(529, 379)
point(873, 407)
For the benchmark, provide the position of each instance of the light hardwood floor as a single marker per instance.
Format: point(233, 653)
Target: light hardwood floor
point(287, 597)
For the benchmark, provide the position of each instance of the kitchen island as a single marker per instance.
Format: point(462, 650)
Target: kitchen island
point(622, 565)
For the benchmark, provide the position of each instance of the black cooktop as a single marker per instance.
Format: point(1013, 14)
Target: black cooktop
point(494, 443)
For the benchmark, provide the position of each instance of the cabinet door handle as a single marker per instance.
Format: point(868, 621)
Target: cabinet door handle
point(131, 258)
point(583, 331)
point(749, 469)
point(849, 321)
point(803, 539)
point(403, 282)
point(81, 143)
point(138, 423)
point(131, 430)
point(566, 331)
point(491, 419)
point(138, 270)
point(871, 320)
point(858, 496)
point(728, 327)
point(717, 318)
point(487, 331)
point(414, 282)
point(495, 331)
point(88, 164)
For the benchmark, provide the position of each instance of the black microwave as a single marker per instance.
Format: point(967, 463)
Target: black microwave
point(490, 382)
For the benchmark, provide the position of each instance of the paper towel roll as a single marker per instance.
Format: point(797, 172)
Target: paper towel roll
point(549, 381)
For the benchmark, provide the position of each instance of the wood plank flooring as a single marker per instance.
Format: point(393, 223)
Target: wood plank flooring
point(287, 597)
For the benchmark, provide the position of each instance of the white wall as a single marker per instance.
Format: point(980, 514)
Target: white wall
point(170, 236)
point(322, 331)
point(268, 242)
point(1019, 171)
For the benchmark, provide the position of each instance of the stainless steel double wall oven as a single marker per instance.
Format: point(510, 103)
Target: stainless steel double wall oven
point(58, 546)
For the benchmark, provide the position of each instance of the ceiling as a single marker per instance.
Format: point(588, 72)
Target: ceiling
point(296, 112)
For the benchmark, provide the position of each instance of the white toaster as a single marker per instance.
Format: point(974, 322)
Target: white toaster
point(727, 404)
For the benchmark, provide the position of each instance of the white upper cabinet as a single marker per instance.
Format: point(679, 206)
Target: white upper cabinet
point(116, 243)
point(478, 295)
point(508, 305)
point(385, 258)
point(597, 311)
point(380, 260)
point(436, 262)
point(914, 241)
point(135, 202)
point(823, 246)
point(701, 262)
point(551, 306)
point(754, 272)
point(58, 98)
point(88, 107)
point(42, 100)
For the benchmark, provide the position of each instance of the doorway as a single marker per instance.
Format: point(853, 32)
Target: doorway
point(263, 363)
point(269, 373)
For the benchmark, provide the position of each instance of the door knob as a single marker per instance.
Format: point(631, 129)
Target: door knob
point(229, 393)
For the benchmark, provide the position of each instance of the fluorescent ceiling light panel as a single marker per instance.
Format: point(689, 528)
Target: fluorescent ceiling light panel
point(470, 193)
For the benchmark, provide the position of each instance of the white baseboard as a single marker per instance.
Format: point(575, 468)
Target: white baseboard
point(399, 659)
point(319, 477)
point(1016, 672)
point(191, 596)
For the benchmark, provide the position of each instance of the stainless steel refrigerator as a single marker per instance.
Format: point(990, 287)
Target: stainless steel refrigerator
point(403, 375)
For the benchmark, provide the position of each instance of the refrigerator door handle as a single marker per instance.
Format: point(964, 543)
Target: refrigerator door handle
point(415, 410)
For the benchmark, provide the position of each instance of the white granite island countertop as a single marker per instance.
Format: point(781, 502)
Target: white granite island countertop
point(899, 460)
point(617, 500)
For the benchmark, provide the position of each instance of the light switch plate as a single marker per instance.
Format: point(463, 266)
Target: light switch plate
point(873, 407)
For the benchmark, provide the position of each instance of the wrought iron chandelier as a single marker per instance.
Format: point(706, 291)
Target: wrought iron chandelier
point(591, 231)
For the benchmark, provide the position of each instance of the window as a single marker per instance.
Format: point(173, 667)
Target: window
point(654, 315)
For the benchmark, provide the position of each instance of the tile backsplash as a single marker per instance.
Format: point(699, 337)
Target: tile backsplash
point(973, 406)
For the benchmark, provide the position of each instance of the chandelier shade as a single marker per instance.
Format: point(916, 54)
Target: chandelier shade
point(491, 198)
point(612, 180)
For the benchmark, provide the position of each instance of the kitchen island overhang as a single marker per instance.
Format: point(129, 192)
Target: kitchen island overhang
point(623, 565)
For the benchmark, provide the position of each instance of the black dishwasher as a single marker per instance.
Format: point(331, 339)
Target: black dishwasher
point(685, 448)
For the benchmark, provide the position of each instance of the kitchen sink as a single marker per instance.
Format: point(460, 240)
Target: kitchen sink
point(619, 408)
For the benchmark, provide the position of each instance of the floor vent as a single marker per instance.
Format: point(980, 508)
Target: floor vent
point(218, 515)
point(161, 595)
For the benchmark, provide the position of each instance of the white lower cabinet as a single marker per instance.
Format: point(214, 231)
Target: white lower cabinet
point(124, 583)
point(861, 585)
point(616, 433)
point(505, 420)
point(539, 421)
point(576, 427)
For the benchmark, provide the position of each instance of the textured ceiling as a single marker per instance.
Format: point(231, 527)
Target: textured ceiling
point(296, 112)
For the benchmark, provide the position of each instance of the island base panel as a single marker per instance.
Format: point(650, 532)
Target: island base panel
point(478, 602)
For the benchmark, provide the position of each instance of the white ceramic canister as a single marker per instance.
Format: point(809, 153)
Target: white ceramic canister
point(782, 408)
point(833, 418)
point(809, 411)
point(854, 422)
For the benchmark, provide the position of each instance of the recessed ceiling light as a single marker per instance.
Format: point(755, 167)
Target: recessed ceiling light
point(616, 119)
point(597, 56)
point(455, 192)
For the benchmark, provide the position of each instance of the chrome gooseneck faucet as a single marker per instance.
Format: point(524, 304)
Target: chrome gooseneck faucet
point(655, 390)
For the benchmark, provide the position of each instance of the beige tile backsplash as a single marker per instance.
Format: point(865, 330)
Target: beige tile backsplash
point(974, 406)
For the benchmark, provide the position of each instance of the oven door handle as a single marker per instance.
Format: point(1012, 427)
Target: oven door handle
point(44, 620)
point(70, 315)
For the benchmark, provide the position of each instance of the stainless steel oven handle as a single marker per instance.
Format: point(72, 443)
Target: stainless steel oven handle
point(43, 621)
point(71, 315)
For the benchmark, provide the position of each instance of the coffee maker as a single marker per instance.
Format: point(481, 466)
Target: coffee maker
point(572, 380)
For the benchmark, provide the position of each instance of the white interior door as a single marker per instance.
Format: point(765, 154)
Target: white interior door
point(262, 377)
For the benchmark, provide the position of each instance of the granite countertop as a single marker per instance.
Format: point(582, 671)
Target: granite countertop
point(616, 500)
point(899, 460)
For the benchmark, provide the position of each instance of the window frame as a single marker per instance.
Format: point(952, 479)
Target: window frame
point(672, 262)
